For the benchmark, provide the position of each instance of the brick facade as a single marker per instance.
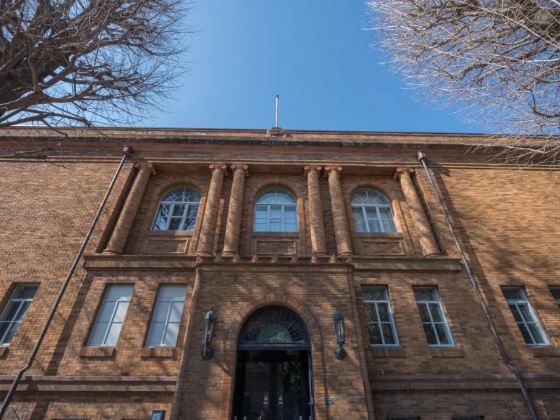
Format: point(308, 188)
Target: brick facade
point(506, 218)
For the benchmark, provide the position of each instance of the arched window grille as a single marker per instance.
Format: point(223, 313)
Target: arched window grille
point(274, 327)
point(372, 212)
point(275, 211)
point(177, 210)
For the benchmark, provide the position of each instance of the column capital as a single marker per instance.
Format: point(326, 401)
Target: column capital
point(333, 168)
point(240, 167)
point(400, 171)
point(308, 168)
point(221, 166)
point(146, 166)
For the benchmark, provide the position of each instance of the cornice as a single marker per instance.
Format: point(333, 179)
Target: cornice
point(91, 383)
point(102, 262)
point(393, 383)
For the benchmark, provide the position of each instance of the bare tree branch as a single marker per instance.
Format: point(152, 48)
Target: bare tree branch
point(87, 62)
point(498, 59)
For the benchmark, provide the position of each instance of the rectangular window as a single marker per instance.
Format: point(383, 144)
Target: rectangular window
point(525, 316)
point(433, 318)
point(380, 321)
point(166, 318)
point(111, 315)
point(13, 313)
point(556, 293)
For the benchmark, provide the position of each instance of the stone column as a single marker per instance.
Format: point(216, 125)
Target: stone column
point(124, 223)
point(235, 210)
point(427, 241)
point(206, 238)
point(317, 225)
point(341, 231)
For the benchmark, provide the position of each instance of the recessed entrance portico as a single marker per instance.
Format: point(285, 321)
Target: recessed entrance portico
point(273, 372)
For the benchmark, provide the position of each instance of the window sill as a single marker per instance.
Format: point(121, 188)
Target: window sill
point(275, 234)
point(97, 352)
point(389, 235)
point(158, 353)
point(447, 352)
point(545, 351)
point(381, 352)
point(181, 233)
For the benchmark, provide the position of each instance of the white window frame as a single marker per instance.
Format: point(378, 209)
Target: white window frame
point(15, 320)
point(391, 322)
point(282, 218)
point(376, 207)
point(172, 204)
point(167, 316)
point(431, 322)
point(517, 303)
point(112, 317)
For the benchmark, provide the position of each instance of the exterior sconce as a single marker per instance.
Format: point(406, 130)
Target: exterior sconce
point(338, 322)
point(209, 324)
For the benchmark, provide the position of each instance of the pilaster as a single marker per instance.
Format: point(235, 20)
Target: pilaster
point(211, 209)
point(427, 240)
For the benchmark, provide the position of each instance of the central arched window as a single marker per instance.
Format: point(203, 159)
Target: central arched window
point(177, 210)
point(274, 327)
point(275, 211)
point(372, 212)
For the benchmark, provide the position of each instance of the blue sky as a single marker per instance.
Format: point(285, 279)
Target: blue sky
point(314, 53)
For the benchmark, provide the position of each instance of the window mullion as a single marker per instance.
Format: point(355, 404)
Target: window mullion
point(110, 322)
point(526, 325)
point(268, 217)
point(166, 321)
point(185, 212)
point(379, 324)
point(364, 212)
point(16, 313)
point(10, 323)
point(432, 323)
point(378, 213)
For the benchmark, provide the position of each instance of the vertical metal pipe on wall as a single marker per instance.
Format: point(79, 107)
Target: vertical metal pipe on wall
point(127, 152)
point(422, 158)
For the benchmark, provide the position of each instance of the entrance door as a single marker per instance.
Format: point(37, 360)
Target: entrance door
point(273, 370)
point(272, 385)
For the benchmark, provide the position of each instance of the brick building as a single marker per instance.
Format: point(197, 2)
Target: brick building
point(211, 283)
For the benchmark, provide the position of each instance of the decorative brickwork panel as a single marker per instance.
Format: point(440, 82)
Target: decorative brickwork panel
point(381, 247)
point(166, 246)
point(275, 246)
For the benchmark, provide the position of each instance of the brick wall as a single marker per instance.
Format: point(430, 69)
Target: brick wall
point(506, 220)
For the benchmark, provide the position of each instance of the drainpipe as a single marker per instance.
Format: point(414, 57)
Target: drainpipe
point(505, 358)
point(127, 152)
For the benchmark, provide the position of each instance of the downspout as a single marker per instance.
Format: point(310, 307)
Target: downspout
point(127, 152)
point(505, 358)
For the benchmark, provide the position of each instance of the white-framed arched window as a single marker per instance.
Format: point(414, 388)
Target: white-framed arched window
point(372, 212)
point(177, 209)
point(275, 211)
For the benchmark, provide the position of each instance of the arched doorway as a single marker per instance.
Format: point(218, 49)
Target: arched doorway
point(273, 374)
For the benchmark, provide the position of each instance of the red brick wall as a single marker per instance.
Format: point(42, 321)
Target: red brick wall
point(507, 220)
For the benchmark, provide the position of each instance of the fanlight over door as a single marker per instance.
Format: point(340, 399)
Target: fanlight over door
point(274, 327)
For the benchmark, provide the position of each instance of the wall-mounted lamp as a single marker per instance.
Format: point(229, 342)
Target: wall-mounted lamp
point(209, 324)
point(338, 322)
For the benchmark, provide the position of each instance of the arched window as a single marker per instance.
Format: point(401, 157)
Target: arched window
point(372, 212)
point(177, 210)
point(275, 211)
